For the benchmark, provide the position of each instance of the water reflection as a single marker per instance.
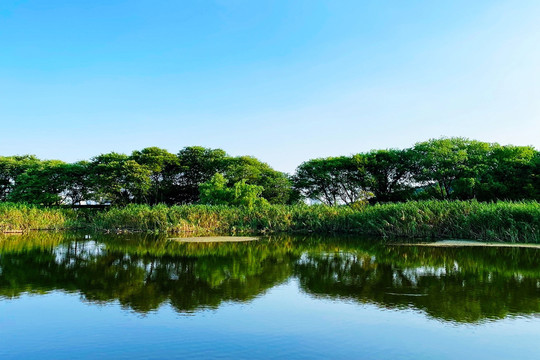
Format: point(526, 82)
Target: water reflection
point(460, 285)
point(143, 272)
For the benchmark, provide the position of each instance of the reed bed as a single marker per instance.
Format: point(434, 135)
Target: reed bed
point(501, 221)
point(517, 222)
point(17, 217)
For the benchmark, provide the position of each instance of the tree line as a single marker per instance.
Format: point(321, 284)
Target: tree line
point(446, 168)
point(149, 176)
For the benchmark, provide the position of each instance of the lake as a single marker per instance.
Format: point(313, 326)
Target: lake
point(87, 296)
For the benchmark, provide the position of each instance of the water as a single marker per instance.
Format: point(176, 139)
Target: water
point(76, 296)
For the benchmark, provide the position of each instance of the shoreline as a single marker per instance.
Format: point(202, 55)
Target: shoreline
point(501, 222)
point(469, 243)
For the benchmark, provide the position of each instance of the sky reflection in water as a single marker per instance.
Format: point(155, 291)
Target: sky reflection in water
point(62, 296)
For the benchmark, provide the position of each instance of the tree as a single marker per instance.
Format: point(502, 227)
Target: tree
point(535, 176)
point(390, 172)
point(10, 168)
point(75, 182)
point(509, 174)
point(333, 180)
point(164, 168)
point(216, 192)
point(277, 186)
point(197, 165)
point(118, 179)
point(451, 165)
point(44, 184)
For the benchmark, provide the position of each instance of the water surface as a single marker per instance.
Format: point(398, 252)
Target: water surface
point(70, 296)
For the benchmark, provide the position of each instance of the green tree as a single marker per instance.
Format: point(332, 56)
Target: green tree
point(333, 180)
point(118, 179)
point(451, 166)
point(43, 185)
point(164, 168)
point(10, 168)
point(535, 175)
point(197, 165)
point(216, 192)
point(509, 174)
point(390, 172)
point(277, 186)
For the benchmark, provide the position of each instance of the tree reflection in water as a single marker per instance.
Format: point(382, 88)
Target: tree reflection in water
point(143, 272)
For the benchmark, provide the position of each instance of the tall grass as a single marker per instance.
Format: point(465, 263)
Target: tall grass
point(502, 221)
point(23, 217)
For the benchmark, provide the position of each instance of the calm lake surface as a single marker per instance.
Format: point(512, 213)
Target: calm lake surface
point(77, 296)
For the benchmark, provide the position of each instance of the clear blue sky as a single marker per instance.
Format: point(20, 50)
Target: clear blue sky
point(284, 81)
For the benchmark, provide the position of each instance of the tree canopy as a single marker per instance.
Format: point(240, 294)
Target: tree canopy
point(445, 168)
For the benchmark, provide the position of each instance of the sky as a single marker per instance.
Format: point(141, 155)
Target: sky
point(284, 81)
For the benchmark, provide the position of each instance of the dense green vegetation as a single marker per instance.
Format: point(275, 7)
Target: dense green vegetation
point(441, 188)
point(445, 169)
point(23, 217)
point(502, 221)
point(149, 176)
point(454, 168)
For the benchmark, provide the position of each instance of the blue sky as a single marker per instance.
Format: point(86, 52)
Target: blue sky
point(284, 81)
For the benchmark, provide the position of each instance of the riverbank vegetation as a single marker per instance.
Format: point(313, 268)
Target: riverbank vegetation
point(439, 219)
point(25, 217)
point(441, 188)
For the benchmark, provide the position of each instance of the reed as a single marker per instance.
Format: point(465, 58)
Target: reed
point(20, 217)
point(501, 221)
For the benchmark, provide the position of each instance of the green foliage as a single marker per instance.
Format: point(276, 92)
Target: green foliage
point(502, 221)
point(164, 168)
point(390, 173)
point(509, 174)
point(198, 165)
point(333, 180)
point(10, 168)
point(276, 185)
point(118, 179)
point(24, 217)
point(216, 192)
point(248, 195)
point(445, 169)
point(52, 183)
point(452, 165)
point(41, 184)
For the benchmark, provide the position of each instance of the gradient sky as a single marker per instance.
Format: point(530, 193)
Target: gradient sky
point(284, 81)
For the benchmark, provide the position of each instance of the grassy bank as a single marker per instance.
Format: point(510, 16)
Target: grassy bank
point(502, 221)
point(24, 217)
